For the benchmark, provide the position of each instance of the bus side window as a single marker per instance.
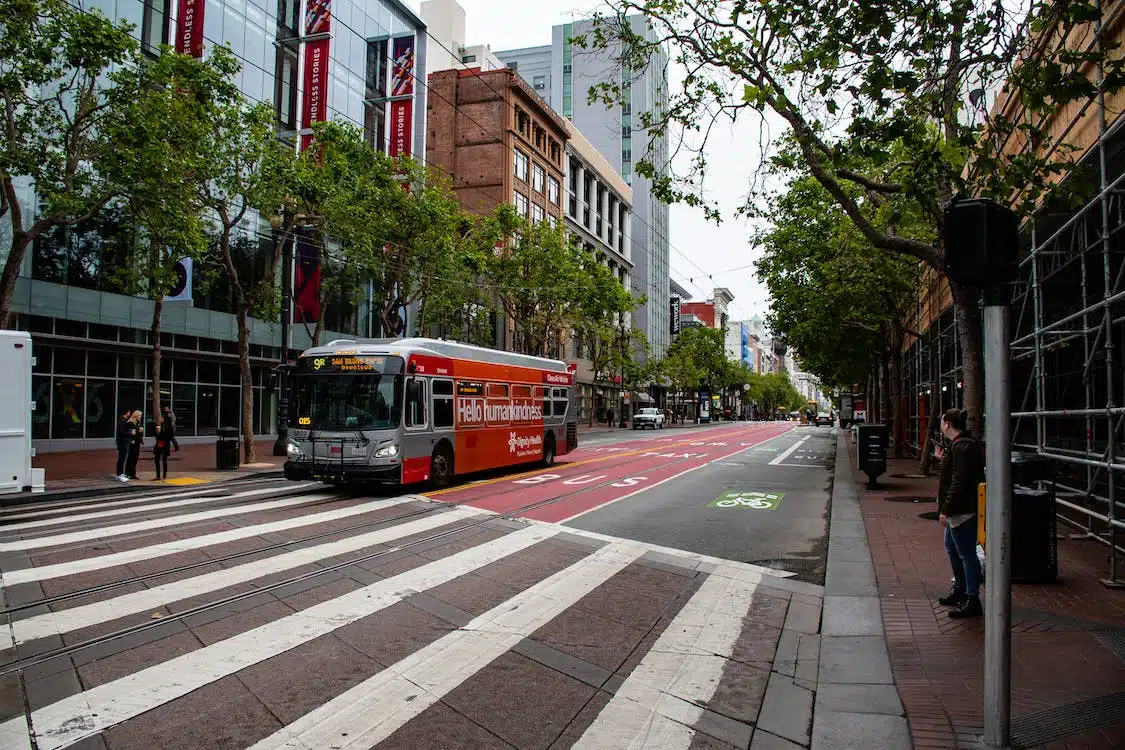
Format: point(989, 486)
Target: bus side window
point(560, 402)
point(415, 402)
point(443, 403)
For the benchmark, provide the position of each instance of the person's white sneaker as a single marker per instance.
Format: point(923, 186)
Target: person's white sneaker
point(123, 478)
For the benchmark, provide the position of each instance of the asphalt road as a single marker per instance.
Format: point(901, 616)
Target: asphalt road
point(612, 600)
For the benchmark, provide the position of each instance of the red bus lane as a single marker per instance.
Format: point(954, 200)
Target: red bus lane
point(582, 485)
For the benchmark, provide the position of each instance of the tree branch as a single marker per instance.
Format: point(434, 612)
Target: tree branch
point(870, 184)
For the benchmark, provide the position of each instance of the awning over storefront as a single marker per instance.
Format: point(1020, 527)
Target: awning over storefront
point(641, 398)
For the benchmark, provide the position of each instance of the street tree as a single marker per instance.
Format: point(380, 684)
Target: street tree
point(837, 300)
point(892, 98)
point(241, 138)
point(161, 111)
point(53, 60)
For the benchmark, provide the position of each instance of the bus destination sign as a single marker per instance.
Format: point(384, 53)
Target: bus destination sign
point(375, 363)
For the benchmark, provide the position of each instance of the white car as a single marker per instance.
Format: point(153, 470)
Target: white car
point(653, 418)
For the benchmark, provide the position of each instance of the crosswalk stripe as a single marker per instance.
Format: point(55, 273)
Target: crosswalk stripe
point(107, 705)
point(69, 620)
point(370, 712)
point(14, 734)
point(664, 695)
point(85, 565)
point(101, 532)
point(180, 502)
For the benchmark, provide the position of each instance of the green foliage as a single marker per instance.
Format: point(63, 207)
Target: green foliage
point(834, 298)
point(52, 56)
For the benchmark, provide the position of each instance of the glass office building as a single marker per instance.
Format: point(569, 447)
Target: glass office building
point(92, 340)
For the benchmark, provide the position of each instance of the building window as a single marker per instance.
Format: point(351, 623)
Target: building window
point(538, 178)
point(521, 165)
point(375, 89)
point(552, 220)
point(154, 28)
point(553, 190)
point(521, 204)
point(288, 18)
point(539, 83)
point(285, 91)
point(536, 213)
point(469, 59)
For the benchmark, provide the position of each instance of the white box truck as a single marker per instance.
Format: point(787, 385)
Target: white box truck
point(16, 406)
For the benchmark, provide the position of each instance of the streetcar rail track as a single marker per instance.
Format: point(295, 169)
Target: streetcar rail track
point(18, 665)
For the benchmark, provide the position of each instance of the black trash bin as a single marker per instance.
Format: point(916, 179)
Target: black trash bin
point(226, 449)
point(871, 446)
point(1035, 554)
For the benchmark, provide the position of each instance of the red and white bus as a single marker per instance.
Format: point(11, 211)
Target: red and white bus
point(412, 410)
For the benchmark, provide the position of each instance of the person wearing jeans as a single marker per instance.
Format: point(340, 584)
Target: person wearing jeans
point(962, 470)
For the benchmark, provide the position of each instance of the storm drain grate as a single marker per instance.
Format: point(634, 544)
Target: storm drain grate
point(1039, 728)
point(909, 499)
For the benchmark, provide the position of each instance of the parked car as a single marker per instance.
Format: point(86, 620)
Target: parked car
point(653, 418)
point(823, 418)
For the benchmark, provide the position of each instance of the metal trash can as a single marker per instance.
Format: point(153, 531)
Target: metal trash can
point(1035, 553)
point(226, 449)
point(871, 446)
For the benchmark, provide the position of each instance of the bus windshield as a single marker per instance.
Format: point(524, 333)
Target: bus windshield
point(346, 401)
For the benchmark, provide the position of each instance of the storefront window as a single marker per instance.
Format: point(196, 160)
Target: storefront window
point(41, 419)
point(102, 364)
point(207, 410)
point(101, 416)
point(70, 362)
point(183, 404)
point(69, 404)
point(229, 408)
point(130, 395)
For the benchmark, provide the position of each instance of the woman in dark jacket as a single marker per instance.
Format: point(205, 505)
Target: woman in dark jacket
point(962, 470)
point(162, 447)
point(138, 440)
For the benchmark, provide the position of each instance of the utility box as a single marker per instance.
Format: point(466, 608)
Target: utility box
point(16, 407)
point(871, 446)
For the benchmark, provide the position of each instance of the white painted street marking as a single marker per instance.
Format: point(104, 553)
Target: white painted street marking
point(785, 454)
point(69, 620)
point(664, 696)
point(102, 532)
point(85, 565)
point(750, 572)
point(135, 508)
point(85, 714)
point(15, 735)
point(372, 711)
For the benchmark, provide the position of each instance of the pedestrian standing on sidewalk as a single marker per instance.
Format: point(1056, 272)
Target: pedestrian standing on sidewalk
point(170, 423)
point(124, 440)
point(164, 437)
point(962, 470)
point(137, 440)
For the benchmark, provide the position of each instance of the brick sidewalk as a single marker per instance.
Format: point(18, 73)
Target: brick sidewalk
point(83, 469)
point(1068, 638)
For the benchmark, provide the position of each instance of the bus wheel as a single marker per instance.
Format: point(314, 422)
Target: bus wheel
point(549, 451)
point(441, 467)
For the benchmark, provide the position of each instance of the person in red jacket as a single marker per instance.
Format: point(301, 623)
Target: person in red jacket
point(962, 470)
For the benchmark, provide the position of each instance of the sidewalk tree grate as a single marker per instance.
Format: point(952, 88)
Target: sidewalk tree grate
point(1042, 727)
point(909, 499)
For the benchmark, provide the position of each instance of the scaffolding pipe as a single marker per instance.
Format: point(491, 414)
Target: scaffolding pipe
point(1111, 411)
point(1097, 306)
point(1092, 496)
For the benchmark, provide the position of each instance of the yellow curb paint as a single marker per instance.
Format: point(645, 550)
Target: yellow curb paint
point(184, 481)
point(608, 456)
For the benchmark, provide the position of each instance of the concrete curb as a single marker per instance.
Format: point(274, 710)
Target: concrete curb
point(857, 704)
point(19, 499)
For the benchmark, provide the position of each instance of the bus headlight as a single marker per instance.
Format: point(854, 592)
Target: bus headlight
point(390, 450)
point(294, 450)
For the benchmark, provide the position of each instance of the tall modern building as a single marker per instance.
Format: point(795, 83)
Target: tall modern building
point(562, 73)
point(352, 60)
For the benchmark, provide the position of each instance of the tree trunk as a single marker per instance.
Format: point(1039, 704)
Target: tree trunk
point(885, 413)
point(248, 456)
point(20, 241)
point(157, 352)
point(970, 337)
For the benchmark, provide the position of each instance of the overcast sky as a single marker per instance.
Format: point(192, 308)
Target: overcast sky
point(699, 247)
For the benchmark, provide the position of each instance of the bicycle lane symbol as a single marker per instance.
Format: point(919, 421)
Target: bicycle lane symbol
point(748, 499)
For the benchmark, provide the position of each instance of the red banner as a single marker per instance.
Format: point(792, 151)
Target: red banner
point(318, 16)
point(316, 86)
point(402, 112)
point(189, 34)
point(402, 72)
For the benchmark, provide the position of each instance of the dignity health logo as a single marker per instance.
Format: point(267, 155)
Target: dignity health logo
point(517, 444)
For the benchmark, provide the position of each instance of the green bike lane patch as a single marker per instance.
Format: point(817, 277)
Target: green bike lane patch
point(747, 500)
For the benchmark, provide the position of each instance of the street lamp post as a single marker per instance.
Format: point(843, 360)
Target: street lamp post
point(281, 446)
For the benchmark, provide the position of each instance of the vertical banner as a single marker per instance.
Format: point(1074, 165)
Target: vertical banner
point(402, 85)
point(674, 315)
point(189, 33)
point(306, 284)
point(318, 14)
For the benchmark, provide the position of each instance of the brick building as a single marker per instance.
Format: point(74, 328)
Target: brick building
point(498, 141)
